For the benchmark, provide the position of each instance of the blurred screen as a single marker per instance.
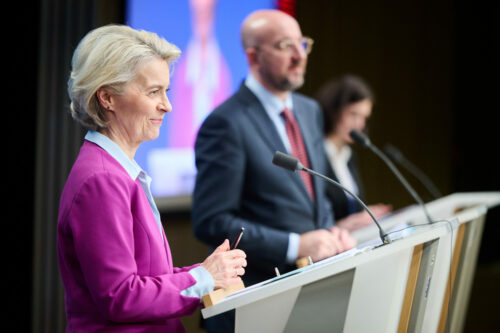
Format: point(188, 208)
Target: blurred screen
point(211, 68)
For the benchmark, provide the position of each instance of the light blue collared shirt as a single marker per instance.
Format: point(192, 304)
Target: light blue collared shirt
point(204, 281)
point(274, 107)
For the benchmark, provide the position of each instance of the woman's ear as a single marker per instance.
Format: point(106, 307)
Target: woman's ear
point(105, 98)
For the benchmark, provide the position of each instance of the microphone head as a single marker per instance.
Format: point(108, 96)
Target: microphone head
point(286, 161)
point(360, 138)
point(393, 152)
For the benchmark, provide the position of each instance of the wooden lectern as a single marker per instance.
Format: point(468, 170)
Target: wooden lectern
point(420, 282)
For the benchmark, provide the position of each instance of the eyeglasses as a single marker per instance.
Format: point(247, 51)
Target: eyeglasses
point(288, 45)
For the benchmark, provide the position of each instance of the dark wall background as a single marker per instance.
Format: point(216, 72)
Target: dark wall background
point(404, 50)
point(433, 68)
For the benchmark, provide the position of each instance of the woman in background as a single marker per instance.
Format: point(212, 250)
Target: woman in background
point(113, 253)
point(347, 105)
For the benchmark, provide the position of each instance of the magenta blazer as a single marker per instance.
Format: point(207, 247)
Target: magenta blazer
point(115, 265)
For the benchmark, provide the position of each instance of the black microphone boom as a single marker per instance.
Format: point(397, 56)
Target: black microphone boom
point(364, 141)
point(291, 163)
point(397, 156)
point(287, 162)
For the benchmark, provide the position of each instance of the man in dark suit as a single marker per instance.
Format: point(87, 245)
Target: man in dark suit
point(238, 186)
point(286, 215)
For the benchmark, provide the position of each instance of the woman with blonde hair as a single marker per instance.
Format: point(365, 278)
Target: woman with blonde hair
point(113, 253)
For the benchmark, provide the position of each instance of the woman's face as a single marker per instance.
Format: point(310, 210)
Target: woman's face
point(353, 117)
point(138, 112)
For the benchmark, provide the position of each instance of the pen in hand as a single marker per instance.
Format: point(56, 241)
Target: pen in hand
point(234, 244)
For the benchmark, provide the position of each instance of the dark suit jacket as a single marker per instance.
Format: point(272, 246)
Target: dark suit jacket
point(337, 196)
point(238, 186)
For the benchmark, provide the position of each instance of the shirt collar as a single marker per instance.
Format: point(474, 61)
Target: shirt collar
point(270, 102)
point(342, 154)
point(131, 166)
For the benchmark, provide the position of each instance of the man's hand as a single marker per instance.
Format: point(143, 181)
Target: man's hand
point(321, 244)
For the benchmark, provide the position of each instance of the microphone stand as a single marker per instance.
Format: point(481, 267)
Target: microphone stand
point(293, 164)
point(363, 140)
point(397, 156)
point(383, 236)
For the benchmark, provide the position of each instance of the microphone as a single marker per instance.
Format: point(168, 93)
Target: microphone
point(293, 164)
point(396, 155)
point(364, 141)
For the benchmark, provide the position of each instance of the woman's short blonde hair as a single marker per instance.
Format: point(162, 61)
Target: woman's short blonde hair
point(108, 57)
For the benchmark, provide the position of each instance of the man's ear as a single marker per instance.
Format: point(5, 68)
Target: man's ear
point(252, 56)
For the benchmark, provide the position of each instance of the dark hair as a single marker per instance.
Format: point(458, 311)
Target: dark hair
point(336, 94)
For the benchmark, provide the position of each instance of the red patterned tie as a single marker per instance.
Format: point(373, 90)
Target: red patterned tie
point(298, 148)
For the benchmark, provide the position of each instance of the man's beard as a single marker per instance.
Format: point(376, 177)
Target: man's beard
point(282, 84)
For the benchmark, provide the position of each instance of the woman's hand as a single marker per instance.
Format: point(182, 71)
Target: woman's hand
point(225, 265)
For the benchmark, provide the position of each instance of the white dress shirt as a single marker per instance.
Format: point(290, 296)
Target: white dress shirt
point(338, 159)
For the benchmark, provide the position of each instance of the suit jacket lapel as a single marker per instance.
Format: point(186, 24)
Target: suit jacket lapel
point(264, 125)
point(258, 116)
point(353, 168)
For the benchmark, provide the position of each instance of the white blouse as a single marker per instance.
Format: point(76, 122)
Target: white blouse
point(338, 160)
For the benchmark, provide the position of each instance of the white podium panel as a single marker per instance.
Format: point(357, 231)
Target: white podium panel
point(378, 291)
point(266, 315)
point(323, 303)
point(420, 282)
